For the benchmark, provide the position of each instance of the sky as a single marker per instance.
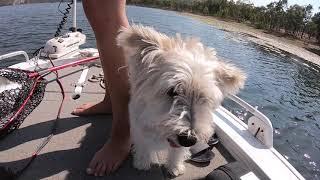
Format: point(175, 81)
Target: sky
point(315, 3)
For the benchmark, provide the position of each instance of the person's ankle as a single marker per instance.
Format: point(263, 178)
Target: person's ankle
point(123, 139)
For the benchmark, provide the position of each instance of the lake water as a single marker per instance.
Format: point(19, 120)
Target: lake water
point(285, 88)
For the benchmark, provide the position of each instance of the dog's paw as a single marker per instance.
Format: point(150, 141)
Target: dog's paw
point(176, 170)
point(141, 164)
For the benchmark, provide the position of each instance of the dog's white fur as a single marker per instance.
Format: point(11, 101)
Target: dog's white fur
point(158, 63)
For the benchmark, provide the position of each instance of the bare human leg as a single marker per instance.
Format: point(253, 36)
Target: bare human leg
point(106, 17)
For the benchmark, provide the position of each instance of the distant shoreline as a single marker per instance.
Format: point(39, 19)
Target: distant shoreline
point(22, 2)
point(258, 36)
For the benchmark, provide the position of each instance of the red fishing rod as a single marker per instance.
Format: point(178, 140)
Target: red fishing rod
point(56, 68)
point(36, 76)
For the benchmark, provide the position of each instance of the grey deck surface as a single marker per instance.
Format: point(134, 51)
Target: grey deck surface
point(77, 139)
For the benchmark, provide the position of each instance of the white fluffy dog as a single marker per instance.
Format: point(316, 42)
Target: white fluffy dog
point(175, 86)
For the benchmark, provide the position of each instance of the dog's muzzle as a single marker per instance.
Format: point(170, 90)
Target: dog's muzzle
point(187, 138)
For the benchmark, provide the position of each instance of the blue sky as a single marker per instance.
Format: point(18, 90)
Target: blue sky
point(315, 3)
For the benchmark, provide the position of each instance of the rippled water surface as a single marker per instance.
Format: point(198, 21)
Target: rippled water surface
point(285, 88)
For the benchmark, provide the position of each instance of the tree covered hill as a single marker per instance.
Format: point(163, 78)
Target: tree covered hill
point(277, 16)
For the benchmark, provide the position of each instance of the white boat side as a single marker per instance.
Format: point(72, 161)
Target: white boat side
point(266, 162)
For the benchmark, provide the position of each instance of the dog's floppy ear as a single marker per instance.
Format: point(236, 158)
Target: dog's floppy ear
point(230, 78)
point(138, 40)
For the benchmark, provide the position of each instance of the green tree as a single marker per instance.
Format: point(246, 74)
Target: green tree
point(307, 18)
point(294, 19)
point(316, 20)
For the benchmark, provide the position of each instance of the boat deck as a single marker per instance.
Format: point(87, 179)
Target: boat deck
point(76, 140)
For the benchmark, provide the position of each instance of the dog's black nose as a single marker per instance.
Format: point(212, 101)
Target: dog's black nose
point(187, 139)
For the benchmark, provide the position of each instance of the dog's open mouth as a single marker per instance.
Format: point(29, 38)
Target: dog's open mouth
point(172, 143)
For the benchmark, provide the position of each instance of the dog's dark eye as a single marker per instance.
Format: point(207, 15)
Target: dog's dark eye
point(172, 93)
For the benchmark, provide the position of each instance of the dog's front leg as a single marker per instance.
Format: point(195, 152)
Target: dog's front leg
point(176, 158)
point(142, 157)
point(143, 153)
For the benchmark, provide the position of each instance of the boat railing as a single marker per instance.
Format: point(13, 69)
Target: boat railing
point(258, 124)
point(13, 54)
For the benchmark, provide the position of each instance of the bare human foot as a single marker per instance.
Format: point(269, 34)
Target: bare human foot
point(109, 157)
point(101, 108)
